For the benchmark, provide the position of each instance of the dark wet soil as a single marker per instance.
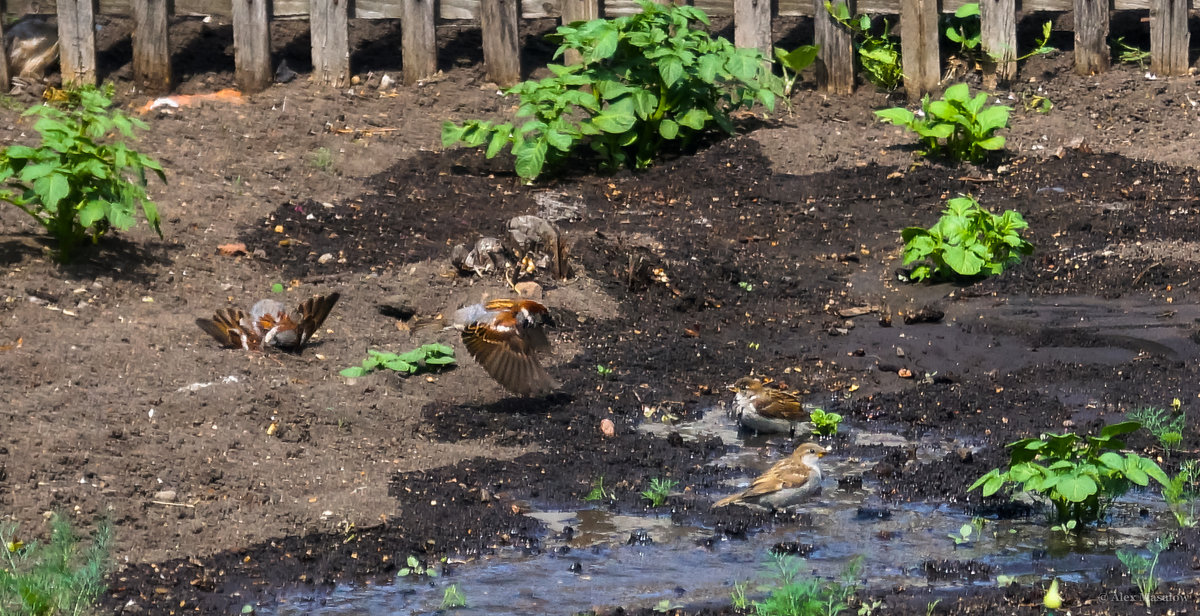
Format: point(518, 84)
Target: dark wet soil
point(235, 480)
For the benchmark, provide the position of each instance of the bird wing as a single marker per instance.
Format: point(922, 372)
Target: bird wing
point(510, 356)
point(784, 475)
point(313, 313)
point(781, 405)
point(226, 326)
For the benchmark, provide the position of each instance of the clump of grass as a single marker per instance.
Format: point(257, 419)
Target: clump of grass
point(58, 577)
point(658, 491)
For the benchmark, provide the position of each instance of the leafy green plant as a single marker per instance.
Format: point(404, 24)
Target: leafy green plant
point(967, 241)
point(1141, 568)
point(1035, 102)
point(599, 492)
point(964, 28)
point(1042, 47)
point(967, 531)
point(1066, 528)
point(794, 61)
point(1128, 54)
point(429, 357)
point(59, 577)
point(1078, 475)
point(659, 490)
point(793, 595)
point(1166, 426)
point(414, 567)
point(604, 371)
point(958, 127)
point(77, 184)
point(737, 597)
point(645, 80)
point(665, 606)
point(878, 54)
point(453, 598)
point(1182, 494)
point(824, 424)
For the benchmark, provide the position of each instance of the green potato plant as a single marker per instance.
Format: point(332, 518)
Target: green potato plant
point(79, 183)
point(794, 61)
point(1078, 475)
point(878, 54)
point(428, 357)
point(824, 424)
point(967, 241)
point(645, 80)
point(958, 127)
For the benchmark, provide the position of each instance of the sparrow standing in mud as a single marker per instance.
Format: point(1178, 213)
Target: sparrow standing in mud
point(506, 336)
point(785, 484)
point(764, 409)
point(269, 323)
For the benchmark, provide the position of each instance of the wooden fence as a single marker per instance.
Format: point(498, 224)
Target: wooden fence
point(499, 19)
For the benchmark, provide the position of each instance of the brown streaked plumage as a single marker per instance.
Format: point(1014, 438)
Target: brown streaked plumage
point(785, 484)
point(269, 323)
point(506, 336)
point(766, 409)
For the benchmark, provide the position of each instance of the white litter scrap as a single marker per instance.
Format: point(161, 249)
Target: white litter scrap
point(198, 386)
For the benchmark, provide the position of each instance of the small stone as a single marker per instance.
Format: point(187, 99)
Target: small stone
point(166, 496)
point(528, 289)
point(607, 428)
point(904, 373)
point(325, 258)
point(899, 352)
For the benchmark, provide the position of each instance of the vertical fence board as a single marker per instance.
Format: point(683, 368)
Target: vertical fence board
point(501, 48)
point(998, 33)
point(835, 61)
point(752, 25)
point(418, 40)
point(1168, 37)
point(77, 40)
point(578, 10)
point(251, 45)
point(920, 51)
point(5, 78)
point(1091, 36)
point(151, 47)
point(330, 34)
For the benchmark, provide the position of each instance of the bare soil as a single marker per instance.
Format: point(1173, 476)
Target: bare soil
point(235, 478)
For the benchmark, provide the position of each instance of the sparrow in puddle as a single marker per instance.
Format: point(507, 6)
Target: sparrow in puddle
point(785, 484)
point(506, 336)
point(767, 410)
point(269, 323)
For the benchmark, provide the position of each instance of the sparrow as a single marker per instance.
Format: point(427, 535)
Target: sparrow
point(506, 336)
point(786, 483)
point(269, 324)
point(764, 409)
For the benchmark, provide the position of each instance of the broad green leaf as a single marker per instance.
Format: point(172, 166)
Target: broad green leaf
point(668, 129)
point(57, 187)
point(644, 103)
point(531, 157)
point(957, 92)
point(670, 69)
point(695, 119)
point(971, 9)
point(1117, 429)
point(559, 141)
point(440, 361)
point(993, 118)
point(605, 44)
point(964, 262)
point(92, 212)
point(799, 58)
point(896, 115)
point(1076, 489)
point(611, 121)
point(353, 372)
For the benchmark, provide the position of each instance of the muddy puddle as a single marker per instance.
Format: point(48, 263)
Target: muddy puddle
point(595, 559)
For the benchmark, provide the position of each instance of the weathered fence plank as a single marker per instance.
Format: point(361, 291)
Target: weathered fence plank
point(920, 51)
point(251, 45)
point(418, 41)
point(1169, 37)
point(501, 48)
point(998, 38)
point(5, 78)
point(578, 10)
point(835, 61)
point(151, 47)
point(752, 25)
point(77, 40)
point(330, 33)
point(1091, 36)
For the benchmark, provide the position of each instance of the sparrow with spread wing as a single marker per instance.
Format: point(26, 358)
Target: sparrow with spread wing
point(269, 323)
point(766, 409)
point(506, 336)
point(785, 484)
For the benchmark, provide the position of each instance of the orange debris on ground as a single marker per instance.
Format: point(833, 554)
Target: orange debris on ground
point(228, 95)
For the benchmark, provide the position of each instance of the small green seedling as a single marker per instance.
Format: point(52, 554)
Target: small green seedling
point(1066, 528)
point(428, 358)
point(277, 287)
point(746, 286)
point(1128, 54)
point(1141, 568)
point(415, 568)
point(604, 371)
point(453, 598)
point(794, 61)
point(1182, 494)
point(658, 491)
point(599, 492)
point(972, 529)
point(824, 424)
point(964, 28)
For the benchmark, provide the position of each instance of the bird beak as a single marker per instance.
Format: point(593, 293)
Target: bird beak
point(821, 455)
